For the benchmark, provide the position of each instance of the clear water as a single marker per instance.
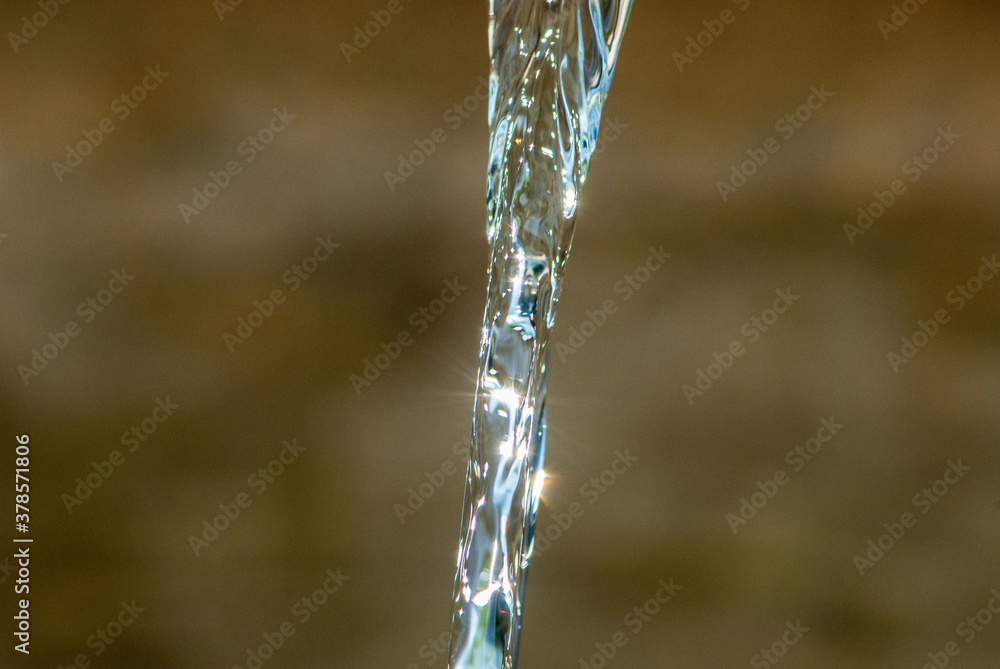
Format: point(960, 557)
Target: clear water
point(551, 66)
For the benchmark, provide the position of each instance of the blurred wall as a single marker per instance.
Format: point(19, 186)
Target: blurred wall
point(757, 489)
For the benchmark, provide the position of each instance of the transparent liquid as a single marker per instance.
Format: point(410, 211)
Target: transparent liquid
point(551, 67)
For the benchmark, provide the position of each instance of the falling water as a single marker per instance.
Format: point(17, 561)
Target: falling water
point(551, 63)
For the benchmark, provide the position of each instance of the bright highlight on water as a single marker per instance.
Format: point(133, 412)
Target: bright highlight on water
point(551, 64)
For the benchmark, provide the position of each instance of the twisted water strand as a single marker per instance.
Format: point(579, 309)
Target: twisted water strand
point(551, 66)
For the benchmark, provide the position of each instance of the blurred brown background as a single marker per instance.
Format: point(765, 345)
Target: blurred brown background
point(334, 506)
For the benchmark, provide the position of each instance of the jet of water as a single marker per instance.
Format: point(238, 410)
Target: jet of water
point(551, 64)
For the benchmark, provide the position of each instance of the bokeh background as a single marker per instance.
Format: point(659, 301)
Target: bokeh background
point(337, 505)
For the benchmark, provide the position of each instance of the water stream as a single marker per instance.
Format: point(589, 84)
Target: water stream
point(551, 64)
